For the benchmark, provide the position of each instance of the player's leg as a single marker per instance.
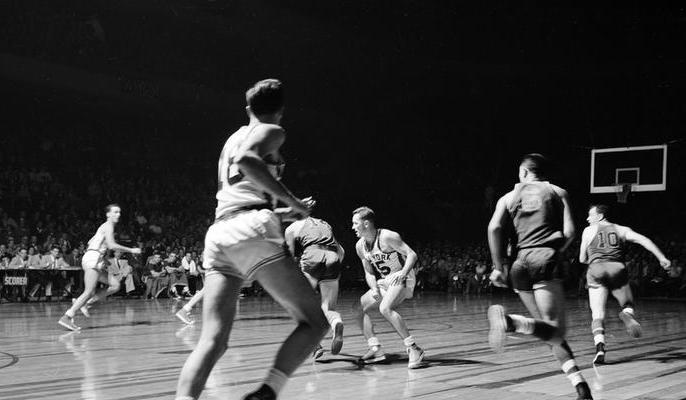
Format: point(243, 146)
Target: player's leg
point(626, 302)
point(329, 293)
point(550, 301)
point(290, 289)
point(375, 353)
point(113, 286)
point(394, 296)
point(597, 298)
point(219, 309)
point(184, 314)
point(90, 281)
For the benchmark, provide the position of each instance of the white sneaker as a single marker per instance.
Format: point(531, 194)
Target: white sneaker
point(415, 357)
point(497, 335)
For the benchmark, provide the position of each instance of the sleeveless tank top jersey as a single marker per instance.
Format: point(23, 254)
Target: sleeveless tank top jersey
point(97, 242)
point(607, 245)
point(234, 191)
point(536, 213)
point(316, 233)
point(385, 263)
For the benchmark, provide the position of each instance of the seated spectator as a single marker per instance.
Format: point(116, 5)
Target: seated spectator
point(192, 273)
point(120, 270)
point(479, 282)
point(20, 261)
point(177, 275)
point(158, 282)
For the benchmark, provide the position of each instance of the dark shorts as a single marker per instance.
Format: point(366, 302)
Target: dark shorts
point(534, 265)
point(610, 274)
point(322, 265)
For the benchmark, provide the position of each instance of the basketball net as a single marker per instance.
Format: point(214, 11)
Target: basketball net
point(623, 193)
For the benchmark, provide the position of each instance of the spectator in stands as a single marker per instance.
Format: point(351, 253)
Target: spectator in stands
point(120, 270)
point(192, 273)
point(34, 259)
point(176, 272)
point(158, 282)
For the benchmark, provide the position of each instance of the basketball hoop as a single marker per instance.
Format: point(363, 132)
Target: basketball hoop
point(623, 193)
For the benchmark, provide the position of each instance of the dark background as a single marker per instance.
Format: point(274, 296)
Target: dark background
point(412, 108)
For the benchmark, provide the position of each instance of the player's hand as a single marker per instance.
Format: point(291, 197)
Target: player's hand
point(376, 294)
point(499, 278)
point(665, 263)
point(136, 250)
point(397, 278)
point(303, 208)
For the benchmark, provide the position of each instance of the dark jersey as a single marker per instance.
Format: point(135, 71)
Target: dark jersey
point(315, 232)
point(606, 245)
point(536, 212)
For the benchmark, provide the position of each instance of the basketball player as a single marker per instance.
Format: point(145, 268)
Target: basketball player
point(602, 247)
point(95, 268)
point(541, 216)
point(246, 242)
point(312, 243)
point(386, 251)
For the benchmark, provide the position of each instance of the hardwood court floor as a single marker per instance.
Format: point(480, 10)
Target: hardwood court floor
point(134, 349)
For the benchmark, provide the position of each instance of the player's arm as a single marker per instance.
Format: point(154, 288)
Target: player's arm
point(266, 139)
point(586, 238)
point(647, 244)
point(289, 236)
point(340, 251)
point(497, 242)
point(568, 229)
point(368, 270)
point(395, 242)
point(108, 230)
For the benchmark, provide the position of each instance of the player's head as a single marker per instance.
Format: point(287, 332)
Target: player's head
point(597, 213)
point(265, 100)
point(54, 251)
point(533, 167)
point(363, 220)
point(113, 212)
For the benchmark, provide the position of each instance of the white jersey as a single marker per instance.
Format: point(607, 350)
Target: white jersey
point(234, 190)
point(98, 242)
point(384, 262)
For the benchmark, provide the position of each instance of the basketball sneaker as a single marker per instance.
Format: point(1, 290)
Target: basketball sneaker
point(184, 315)
point(633, 328)
point(583, 391)
point(337, 341)
point(318, 351)
point(374, 355)
point(599, 354)
point(415, 357)
point(68, 323)
point(497, 335)
point(263, 393)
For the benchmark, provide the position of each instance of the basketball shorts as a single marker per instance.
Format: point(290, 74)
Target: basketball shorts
point(322, 265)
point(610, 274)
point(534, 266)
point(385, 283)
point(93, 259)
point(242, 244)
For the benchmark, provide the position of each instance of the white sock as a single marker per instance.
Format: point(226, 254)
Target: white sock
point(409, 341)
point(276, 380)
point(373, 341)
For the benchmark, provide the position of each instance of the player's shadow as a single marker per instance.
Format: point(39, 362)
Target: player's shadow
point(667, 358)
point(446, 359)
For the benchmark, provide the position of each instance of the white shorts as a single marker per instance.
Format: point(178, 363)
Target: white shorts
point(409, 284)
point(241, 245)
point(93, 259)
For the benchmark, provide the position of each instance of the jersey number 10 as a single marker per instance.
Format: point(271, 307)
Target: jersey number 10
point(610, 238)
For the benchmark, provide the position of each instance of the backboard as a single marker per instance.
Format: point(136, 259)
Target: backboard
point(642, 167)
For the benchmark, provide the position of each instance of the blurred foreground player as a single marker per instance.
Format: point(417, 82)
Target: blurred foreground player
point(246, 242)
point(95, 268)
point(541, 216)
point(312, 243)
point(394, 260)
point(603, 247)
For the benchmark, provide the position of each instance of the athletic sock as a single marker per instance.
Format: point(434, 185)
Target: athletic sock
point(276, 380)
point(598, 330)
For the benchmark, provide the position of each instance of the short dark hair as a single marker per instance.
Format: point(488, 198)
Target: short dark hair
point(265, 97)
point(109, 207)
point(601, 209)
point(365, 213)
point(537, 163)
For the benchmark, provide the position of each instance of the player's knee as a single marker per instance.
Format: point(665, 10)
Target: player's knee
point(216, 344)
point(114, 286)
point(386, 310)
